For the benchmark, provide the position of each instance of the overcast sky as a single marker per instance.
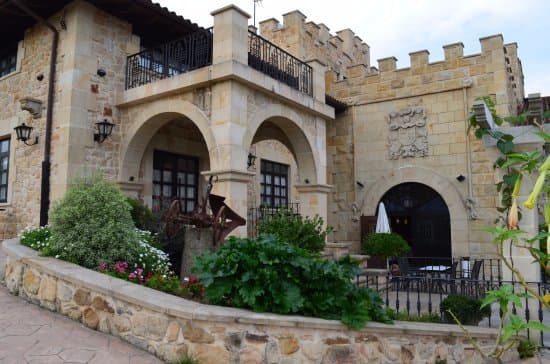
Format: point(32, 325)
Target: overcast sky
point(398, 27)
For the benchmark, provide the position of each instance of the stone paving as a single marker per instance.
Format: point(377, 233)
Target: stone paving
point(30, 334)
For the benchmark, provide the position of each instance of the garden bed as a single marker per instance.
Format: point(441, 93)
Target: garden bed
point(170, 326)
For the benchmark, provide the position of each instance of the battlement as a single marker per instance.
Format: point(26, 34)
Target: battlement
point(495, 71)
point(491, 45)
point(310, 40)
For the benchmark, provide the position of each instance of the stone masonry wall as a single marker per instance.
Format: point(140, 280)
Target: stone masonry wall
point(313, 41)
point(23, 196)
point(170, 327)
point(445, 91)
point(92, 40)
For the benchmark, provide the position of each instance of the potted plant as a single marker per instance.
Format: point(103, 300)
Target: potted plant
point(385, 245)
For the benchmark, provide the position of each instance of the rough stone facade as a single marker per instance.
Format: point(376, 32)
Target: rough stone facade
point(409, 125)
point(308, 40)
point(216, 113)
point(171, 327)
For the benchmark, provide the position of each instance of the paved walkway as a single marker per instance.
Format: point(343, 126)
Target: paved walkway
point(30, 334)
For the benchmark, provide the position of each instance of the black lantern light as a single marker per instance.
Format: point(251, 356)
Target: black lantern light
point(251, 160)
point(23, 132)
point(104, 129)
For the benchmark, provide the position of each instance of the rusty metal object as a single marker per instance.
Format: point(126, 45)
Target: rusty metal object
point(222, 219)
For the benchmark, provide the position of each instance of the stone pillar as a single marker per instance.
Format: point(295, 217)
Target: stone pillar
point(195, 242)
point(233, 185)
point(230, 35)
point(314, 199)
point(318, 79)
point(520, 256)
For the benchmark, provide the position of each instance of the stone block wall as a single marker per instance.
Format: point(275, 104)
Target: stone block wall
point(170, 327)
point(92, 39)
point(308, 40)
point(444, 91)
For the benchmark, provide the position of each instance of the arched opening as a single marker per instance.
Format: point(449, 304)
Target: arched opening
point(171, 165)
point(420, 215)
point(284, 160)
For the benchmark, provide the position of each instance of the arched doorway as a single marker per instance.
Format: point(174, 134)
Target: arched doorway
point(419, 214)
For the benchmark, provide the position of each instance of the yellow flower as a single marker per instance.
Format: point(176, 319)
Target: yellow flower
point(513, 215)
point(517, 185)
point(546, 299)
point(532, 200)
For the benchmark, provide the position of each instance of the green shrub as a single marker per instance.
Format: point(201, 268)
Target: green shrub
point(268, 275)
point(527, 348)
point(403, 316)
point(92, 225)
point(304, 232)
point(385, 245)
point(467, 309)
point(36, 238)
point(141, 214)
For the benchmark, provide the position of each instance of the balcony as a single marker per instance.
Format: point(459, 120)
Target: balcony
point(170, 59)
point(273, 61)
point(195, 51)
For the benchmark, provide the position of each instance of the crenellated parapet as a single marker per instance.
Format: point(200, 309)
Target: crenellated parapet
point(310, 40)
point(496, 71)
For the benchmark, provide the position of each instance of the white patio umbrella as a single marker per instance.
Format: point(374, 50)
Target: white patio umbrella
point(382, 222)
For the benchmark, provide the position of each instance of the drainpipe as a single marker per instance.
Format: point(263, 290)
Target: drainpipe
point(46, 162)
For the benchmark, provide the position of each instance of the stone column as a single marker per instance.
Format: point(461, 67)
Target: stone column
point(314, 199)
point(230, 35)
point(318, 79)
point(233, 185)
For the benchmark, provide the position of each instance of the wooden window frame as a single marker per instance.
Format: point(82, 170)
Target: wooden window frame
point(274, 170)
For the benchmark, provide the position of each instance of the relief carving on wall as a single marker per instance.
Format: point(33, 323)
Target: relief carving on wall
point(202, 98)
point(408, 135)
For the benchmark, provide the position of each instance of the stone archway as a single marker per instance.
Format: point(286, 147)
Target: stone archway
point(419, 214)
point(148, 120)
point(450, 194)
point(297, 139)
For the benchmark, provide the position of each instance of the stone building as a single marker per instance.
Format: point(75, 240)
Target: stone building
point(329, 131)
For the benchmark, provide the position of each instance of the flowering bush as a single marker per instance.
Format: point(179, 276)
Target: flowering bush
point(151, 259)
point(36, 238)
point(167, 282)
point(92, 224)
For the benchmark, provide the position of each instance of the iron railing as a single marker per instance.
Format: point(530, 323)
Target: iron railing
point(275, 62)
point(257, 214)
point(170, 59)
point(491, 268)
point(421, 293)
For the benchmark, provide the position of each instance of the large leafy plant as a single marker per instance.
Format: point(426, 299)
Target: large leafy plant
point(516, 166)
point(304, 232)
point(92, 225)
point(268, 275)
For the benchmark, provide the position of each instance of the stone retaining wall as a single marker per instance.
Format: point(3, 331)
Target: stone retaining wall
point(169, 326)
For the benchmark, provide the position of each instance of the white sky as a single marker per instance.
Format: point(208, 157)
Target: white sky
point(398, 27)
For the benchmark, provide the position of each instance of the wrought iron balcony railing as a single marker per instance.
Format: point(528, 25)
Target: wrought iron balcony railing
point(170, 59)
point(273, 61)
point(257, 214)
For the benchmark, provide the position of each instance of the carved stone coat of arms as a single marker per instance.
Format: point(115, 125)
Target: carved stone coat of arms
point(408, 136)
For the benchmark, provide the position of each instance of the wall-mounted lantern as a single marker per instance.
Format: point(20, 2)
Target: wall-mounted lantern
point(104, 129)
point(23, 132)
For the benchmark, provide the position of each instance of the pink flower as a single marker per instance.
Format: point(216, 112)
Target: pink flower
point(132, 276)
point(103, 267)
point(139, 271)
